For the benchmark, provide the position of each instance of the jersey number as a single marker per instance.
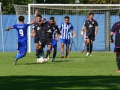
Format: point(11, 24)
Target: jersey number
point(21, 32)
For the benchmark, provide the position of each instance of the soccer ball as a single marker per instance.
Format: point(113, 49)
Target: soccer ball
point(41, 60)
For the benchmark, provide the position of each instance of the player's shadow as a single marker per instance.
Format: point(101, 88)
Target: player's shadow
point(59, 82)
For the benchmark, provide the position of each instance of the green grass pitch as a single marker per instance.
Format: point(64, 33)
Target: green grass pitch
point(77, 72)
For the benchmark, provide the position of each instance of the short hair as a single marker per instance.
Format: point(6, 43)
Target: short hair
point(66, 17)
point(39, 16)
point(91, 13)
point(21, 18)
point(52, 18)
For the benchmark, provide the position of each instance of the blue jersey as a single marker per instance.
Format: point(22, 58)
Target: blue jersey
point(66, 30)
point(22, 30)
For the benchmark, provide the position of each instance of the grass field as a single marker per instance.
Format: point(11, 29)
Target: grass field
point(77, 72)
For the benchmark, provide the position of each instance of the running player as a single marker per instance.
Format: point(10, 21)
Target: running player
point(22, 36)
point(91, 28)
point(66, 29)
point(48, 29)
point(116, 29)
point(36, 34)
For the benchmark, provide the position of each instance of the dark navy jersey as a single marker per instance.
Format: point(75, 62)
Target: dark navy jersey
point(116, 30)
point(90, 27)
point(22, 31)
point(49, 29)
point(38, 29)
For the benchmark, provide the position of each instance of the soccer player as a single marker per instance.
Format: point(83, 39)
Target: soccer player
point(65, 29)
point(91, 28)
point(47, 34)
point(22, 36)
point(36, 34)
point(116, 30)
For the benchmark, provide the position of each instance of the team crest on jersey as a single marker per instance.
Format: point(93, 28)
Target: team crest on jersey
point(54, 28)
point(38, 28)
point(49, 31)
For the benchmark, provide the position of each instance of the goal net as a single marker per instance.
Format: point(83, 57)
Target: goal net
point(105, 15)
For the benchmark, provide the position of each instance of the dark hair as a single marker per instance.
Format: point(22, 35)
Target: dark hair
point(91, 13)
point(66, 17)
point(52, 18)
point(39, 16)
point(21, 18)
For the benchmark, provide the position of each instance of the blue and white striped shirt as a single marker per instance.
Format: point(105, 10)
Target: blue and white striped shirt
point(66, 30)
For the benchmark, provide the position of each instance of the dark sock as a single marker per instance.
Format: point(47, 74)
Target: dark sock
point(37, 53)
point(91, 46)
point(54, 54)
point(88, 47)
point(47, 53)
point(118, 62)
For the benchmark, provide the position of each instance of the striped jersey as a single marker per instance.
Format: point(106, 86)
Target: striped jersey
point(66, 30)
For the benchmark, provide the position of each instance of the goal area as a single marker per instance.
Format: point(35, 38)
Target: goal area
point(105, 14)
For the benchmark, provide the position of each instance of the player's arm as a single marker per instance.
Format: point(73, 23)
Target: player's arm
point(33, 33)
point(111, 34)
point(35, 16)
point(9, 28)
point(82, 32)
point(74, 32)
point(42, 21)
point(96, 28)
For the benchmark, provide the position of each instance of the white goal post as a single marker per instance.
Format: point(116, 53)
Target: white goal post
point(104, 14)
point(1, 27)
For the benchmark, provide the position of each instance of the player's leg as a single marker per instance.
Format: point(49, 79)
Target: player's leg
point(84, 46)
point(48, 42)
point(91, 44)
point(117, 51)
point(62, 48)
point(67, 47)
point(88, 45)
point(54, 45)
point(22, 51)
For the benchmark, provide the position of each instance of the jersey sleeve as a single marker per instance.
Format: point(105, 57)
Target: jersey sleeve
point(96, 24)
point(33, 26)
point(72, 28)
point(58, 31)
point(14, 26)
point(85, 24)
point(113, 28)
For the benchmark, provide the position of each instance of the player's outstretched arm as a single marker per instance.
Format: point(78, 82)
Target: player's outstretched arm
point(9, 28)
point(33, 33)
point(82, 32)
point(35, 16)
point(42, 21)
point(111, 37)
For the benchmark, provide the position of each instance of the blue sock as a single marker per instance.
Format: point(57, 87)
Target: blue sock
point(18, 56)
point(62, 53)
point(54, 55)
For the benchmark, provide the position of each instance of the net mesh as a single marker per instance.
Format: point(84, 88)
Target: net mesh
point(106, 16)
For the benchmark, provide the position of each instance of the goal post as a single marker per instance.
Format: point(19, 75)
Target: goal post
point(105, 15)
point(1, 28)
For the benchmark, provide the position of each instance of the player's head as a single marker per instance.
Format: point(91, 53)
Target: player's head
point(91, 14)
point(52, 20)
point(66, 19)
point(39, 17)
point(21, 18)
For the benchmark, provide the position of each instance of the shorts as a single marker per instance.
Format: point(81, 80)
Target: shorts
point(44, 42)
point(54, 43)
point(22, 46)
point(65, 41)
point(36, 40)
point(91, 37)
point(117, 50)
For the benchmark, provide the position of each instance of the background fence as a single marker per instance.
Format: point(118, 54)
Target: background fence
point(10, 38)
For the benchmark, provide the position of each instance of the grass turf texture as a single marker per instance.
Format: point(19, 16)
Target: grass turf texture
point(77, 72)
